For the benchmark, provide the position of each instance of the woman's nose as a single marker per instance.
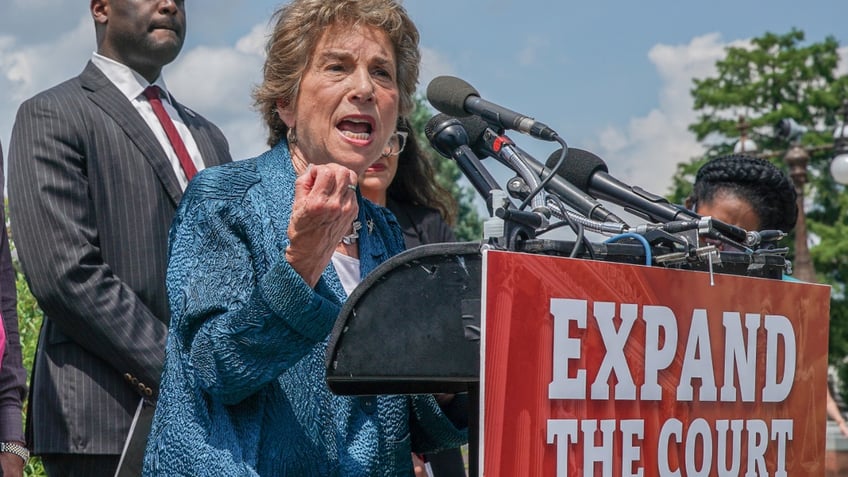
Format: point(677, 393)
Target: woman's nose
point(363, 85)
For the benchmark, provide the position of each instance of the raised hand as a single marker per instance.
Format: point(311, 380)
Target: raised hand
point(323, 212)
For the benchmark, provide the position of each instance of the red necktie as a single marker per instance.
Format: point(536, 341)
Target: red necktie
point(152, 94)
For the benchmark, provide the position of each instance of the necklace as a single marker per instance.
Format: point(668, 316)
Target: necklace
point(350, 239)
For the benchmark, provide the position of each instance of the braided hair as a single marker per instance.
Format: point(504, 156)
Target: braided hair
point(757, 181)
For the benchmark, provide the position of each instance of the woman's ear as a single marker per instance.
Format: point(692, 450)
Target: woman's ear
point(690, 203)
point(286, 113)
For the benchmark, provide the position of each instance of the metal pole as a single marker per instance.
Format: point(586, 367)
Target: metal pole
point(797, 158)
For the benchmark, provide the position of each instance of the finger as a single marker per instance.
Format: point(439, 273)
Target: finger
point(305, 182)
point(336, 184)
point(327, 200)
point(330, 180)
point(352, 179)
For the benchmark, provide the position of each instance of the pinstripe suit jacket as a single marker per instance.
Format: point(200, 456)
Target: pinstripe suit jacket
point(92, 196)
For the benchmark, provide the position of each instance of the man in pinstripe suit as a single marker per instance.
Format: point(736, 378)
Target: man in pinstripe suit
point(93, 186)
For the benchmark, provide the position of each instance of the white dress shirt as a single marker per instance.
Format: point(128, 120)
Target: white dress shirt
point(132, 85)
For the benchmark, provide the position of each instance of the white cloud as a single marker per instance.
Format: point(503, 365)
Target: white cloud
point(613, 139)
point(648, 148)
point(29, 69)
point(432, 64)
point(254, 42)
point(217, 82)
point(26, 69)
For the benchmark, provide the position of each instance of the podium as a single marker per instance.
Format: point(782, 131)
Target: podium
point(414, 324)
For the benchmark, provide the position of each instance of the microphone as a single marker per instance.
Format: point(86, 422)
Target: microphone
point(449, 137)
point(487, 142)
point(768, 237)
point(588, 172)
point(455, 97)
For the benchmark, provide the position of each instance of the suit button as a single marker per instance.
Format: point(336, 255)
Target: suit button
point(141, 387)
point(128, 377)
point(148, 392)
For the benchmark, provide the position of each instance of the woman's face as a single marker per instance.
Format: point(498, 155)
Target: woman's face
point(378, 176)
point(730, 209)
point(347, 106)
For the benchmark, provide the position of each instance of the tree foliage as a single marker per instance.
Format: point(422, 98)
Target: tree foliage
point(780, 76)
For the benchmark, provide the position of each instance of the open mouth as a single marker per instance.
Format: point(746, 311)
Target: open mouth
point(357, 129)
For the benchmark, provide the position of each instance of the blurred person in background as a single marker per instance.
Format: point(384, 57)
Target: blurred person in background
point(406, 184)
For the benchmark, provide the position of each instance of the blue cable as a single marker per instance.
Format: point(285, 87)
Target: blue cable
point(638, 237)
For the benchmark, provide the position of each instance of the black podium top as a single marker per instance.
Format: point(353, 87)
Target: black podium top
point(402, 330)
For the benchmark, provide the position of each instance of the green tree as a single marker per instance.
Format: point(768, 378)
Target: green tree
point(778, 77)
point(468, 223)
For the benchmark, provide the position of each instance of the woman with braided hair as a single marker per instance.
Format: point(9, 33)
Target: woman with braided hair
point(745, 191)
point(754, 194)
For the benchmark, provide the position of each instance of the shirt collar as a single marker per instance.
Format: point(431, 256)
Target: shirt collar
point(128, 81)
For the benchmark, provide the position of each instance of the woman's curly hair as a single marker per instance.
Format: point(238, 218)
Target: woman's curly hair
point(299, 26)
point(769, 191)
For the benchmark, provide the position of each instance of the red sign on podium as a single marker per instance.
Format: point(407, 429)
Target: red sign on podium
point(602, 369)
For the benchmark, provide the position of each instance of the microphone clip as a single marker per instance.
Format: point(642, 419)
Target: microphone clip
point(509, 227)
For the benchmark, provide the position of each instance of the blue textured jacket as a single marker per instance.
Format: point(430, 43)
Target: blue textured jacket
point(243, 391)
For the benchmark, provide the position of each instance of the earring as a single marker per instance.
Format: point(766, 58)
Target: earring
point(291, 136)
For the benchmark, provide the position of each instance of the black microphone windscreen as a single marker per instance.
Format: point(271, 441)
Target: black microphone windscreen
point(580, 166)
point(448, 94)
point(476, 128)
point(430, 127)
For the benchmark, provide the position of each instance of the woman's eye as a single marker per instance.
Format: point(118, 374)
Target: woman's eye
point(383, 73)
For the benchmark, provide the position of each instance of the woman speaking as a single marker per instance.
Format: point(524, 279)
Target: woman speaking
point(262, 252)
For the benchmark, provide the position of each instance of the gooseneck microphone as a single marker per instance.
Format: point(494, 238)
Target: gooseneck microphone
point(449, 137)
point(487, 142)
point(588, 172)
point(455, 97)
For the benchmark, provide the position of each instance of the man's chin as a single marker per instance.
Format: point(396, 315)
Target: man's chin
point(166, 44)
point(166, 52)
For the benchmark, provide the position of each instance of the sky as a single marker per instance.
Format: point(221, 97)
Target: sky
point(612, 77)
